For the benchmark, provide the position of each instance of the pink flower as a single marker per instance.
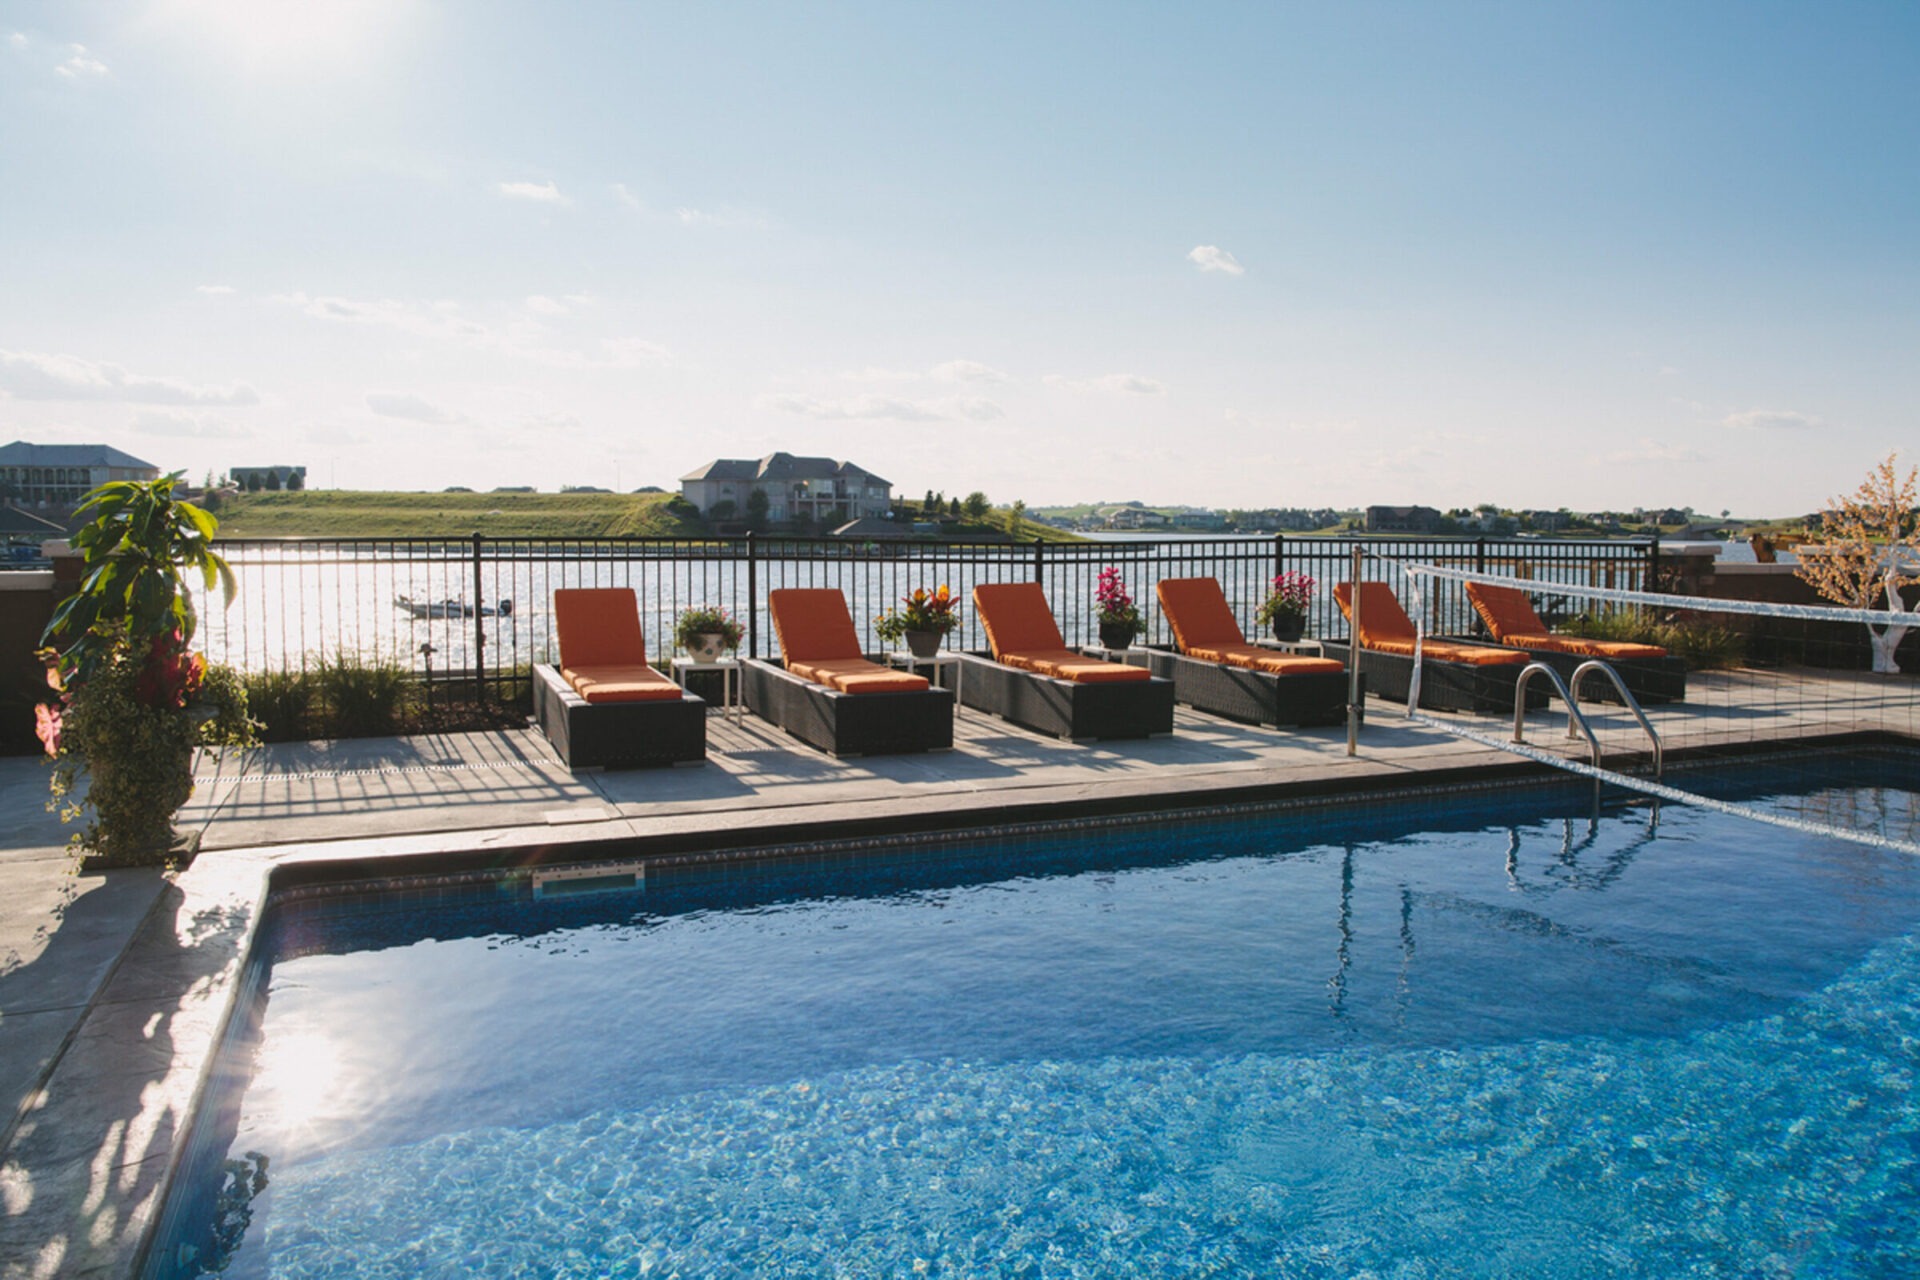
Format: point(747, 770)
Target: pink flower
point(46, 727)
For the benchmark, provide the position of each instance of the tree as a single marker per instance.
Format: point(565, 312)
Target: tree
point(953, 509)
point(273, 482)
point(977, 506)
point(1017, 517)
point(253, 482)
point(1871, 548)
point(757, 510)
point(296, 481)
point(723, 509)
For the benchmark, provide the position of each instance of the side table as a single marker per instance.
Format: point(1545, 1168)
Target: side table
point(731, 705)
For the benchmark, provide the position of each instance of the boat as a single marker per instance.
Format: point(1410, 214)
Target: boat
point(451, 608)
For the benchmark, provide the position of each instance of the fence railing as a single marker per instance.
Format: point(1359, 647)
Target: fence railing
point(478, 609)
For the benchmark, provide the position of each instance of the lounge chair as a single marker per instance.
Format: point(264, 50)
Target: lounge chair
point(1650, 673)
point(605, 706)
point(1215, 670)
point(1036, 681)
point(1454, 676)
point(829, 695)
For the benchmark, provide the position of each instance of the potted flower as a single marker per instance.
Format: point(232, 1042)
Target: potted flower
point(1285, 608)
point(135, 700)
point(1119, 616)
point(928, 615)
point(707, 632)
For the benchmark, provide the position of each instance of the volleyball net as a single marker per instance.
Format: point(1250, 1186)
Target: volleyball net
point(1789, 684)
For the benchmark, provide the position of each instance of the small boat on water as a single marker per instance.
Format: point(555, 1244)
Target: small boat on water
point(451, 608)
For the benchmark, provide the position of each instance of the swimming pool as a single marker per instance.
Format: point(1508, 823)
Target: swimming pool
point(1489, 1035)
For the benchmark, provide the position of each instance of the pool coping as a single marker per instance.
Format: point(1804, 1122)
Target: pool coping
point(174, 991)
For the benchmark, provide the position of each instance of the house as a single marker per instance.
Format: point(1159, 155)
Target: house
point(797, 489)
point(55, 477)
point(1131, 516)
point(1402, 519)
point(1197, 519)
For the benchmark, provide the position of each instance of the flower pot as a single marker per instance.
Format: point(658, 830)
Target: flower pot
point(1289, 627)
point(708, 646)
point(1115, 635)
point(923, 644)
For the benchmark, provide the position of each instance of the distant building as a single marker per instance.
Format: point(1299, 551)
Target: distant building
point(1200, 520)
point(797, 489)
point(55, 477)
point(1402, 519)
point(1132, 515)
point(253, 478)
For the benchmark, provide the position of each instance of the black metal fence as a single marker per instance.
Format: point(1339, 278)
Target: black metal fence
point(478, 609)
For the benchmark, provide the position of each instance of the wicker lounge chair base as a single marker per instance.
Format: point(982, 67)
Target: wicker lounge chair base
point(1649, 680)
point(1254, 697)
point(1444, 686)
point(1064, 709)
point(848, 724)
point(616, 735)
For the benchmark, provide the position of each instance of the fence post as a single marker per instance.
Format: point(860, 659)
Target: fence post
point(1653, 562)
point(1039, 552)
point(479, 627)
point(753, 596)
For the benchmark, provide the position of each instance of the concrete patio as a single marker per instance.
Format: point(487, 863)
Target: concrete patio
point(114, 988)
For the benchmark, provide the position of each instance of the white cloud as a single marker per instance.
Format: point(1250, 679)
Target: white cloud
point(539, 304)
point(412, 408)
point(214, 290)
point(427, 319)
point(626, 197)
point(539, 192)
point(978, 410)
point(724, 216)
point(885, 408)
point(1769, 420)
point(966, 371)
point(18, 39)
point(155, 422)
point(1128, 383)
point(1211, 257)
point(27, 375)
point(81, 64)
point(1648, 449)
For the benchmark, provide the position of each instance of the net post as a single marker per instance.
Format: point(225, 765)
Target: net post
point(1353, 659)
point(479, 627)
point(753, 597)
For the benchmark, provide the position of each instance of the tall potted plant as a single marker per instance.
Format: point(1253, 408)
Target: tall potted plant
point(1118, 616)
point(135, 700)
point(1285, 608)
point(929, 615)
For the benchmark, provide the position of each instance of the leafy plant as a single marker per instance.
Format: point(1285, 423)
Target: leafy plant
point(363, 699)
point(1870, 549)
point(1703, 646)
point(1113, 603)
point(925, 611)
point(1289, 597)
point(281, 702)
point(707, 620)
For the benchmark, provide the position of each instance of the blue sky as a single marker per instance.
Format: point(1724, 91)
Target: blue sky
point(1538, 255)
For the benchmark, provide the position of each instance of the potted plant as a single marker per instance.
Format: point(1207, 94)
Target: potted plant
point(1285, 608)
point(928, 616)
point(707, 633)
point(1119, 616)
point(135, 700)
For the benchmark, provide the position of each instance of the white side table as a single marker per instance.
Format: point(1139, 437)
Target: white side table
point(1304, 646)
point(912, 662)
point(1125, 657)
point(731, 704)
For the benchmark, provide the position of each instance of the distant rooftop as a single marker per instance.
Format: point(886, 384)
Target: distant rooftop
point(777, 467)
point(22, 454)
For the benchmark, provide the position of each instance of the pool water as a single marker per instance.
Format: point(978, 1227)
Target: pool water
point(1497, 1036)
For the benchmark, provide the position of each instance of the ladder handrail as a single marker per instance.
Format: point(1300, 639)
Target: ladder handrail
point(1574, 718)
point(1626, 696)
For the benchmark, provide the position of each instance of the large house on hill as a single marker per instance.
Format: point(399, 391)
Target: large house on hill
point(796, 488)
point(54, 477)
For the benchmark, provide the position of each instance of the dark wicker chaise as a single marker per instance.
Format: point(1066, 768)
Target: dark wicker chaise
point(1453, 677)
point(1650, 673)
point(1035, 681)
point(1215, 670)
point(830, 695)
point(605, 707)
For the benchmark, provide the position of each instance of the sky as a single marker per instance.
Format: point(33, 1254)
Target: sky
point(1596, 256)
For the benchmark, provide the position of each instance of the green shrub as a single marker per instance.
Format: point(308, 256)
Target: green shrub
point(282, 703)
point(1704, 646)
point(363, 699)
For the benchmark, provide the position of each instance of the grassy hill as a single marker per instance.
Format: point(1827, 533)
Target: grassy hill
point(346, 513)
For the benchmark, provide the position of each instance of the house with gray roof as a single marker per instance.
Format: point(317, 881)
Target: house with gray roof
point(54, 477)
point(797, 489)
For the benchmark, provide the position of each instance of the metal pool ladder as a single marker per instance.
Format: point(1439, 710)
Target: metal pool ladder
point(1576, 721)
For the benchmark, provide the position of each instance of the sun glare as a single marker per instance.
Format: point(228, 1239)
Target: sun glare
point(286, 35)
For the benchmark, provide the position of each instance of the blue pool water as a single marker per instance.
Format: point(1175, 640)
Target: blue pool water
point(1492, 1037)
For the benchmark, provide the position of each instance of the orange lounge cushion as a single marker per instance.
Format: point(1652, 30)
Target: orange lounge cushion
point(1197, 611)
point(1017, 619)
point(598, 627)
point(1254, 658)
point(857, 675)
point(626, 682)
point(1386, 628)
point(1064, 664)
point(812, 624)
point(1612, 650)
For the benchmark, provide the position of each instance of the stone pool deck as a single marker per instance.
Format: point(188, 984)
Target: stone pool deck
point(114, 987)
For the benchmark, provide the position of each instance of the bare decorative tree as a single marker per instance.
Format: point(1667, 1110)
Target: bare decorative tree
point(1870, 549)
